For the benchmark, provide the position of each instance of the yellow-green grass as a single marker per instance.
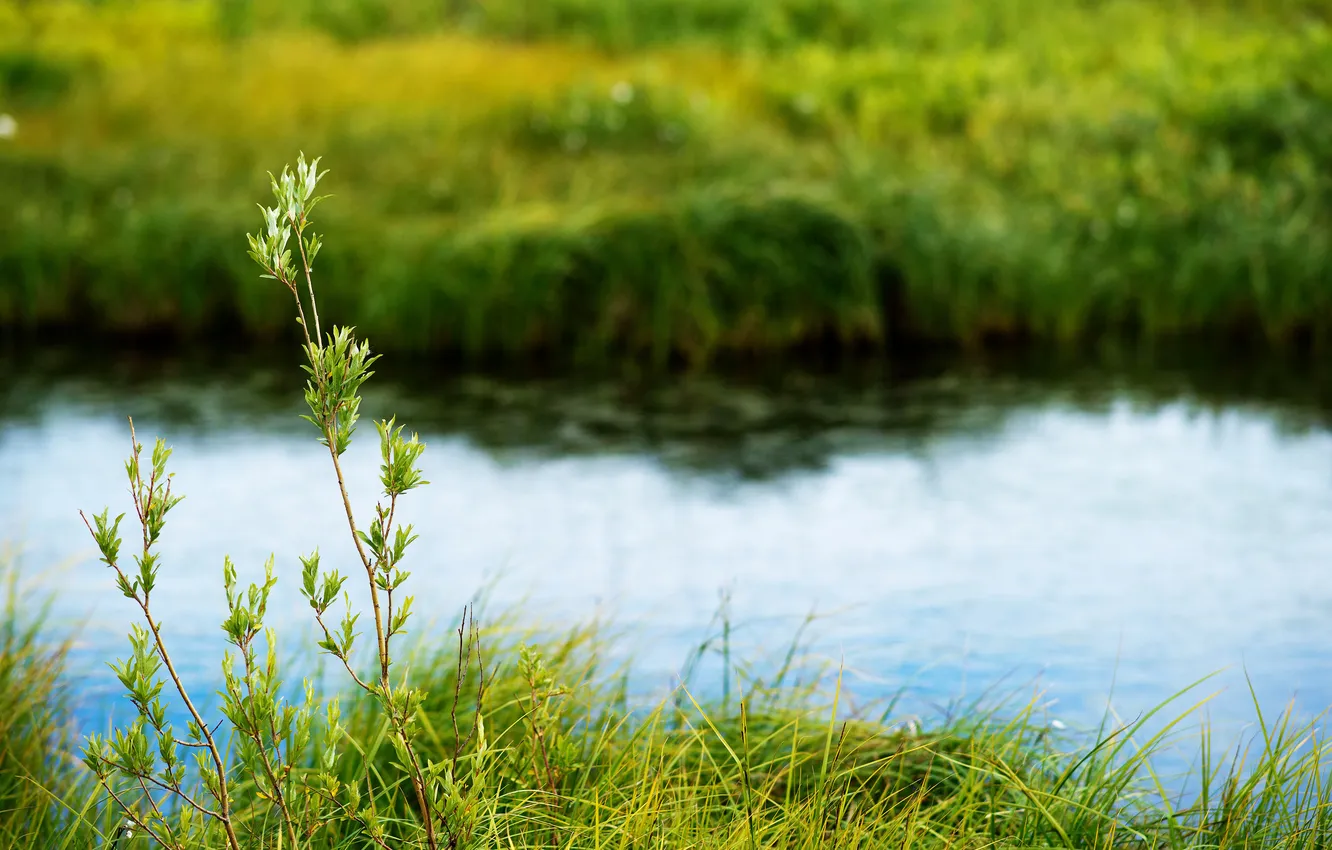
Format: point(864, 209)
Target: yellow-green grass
point(790, 758)
point(784, 761)
point(960, 171)
point(36, 758)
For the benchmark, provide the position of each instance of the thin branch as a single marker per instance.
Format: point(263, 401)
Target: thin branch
point(360, 550)
point(254, 735)
point(300, 308)
point(464, 665)
point(309, 282)
point(157, 811)
point(223, 798)
point(131, 814)
point(329, 638)
point(481, 682)
point(388, 635)
point(142, 507)
point(386, 528)
point(393, 509)
point(174, 789)
point(418, 783)
point(301, 311)
point(139, 507)
point(381, 638)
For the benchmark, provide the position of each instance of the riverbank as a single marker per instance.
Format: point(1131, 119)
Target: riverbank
point(780, 761)
point(592, 184)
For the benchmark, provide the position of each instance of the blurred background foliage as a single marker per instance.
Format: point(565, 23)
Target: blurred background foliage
point(678, 178)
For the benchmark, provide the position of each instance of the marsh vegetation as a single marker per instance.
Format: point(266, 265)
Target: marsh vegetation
point(671, 180)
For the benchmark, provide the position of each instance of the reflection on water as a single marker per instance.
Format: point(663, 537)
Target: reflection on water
point(1068, 526)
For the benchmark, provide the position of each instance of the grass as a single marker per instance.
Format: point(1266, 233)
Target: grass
point(781, 763)
point(671, 181)
point(35, 728)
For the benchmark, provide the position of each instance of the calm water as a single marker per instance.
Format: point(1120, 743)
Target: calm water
point(1068, 528)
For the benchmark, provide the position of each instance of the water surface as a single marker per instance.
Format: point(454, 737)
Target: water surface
point(1067, 528)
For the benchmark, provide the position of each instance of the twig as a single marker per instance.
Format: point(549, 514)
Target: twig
point(253, 733)
point(223, 798)
point(328, 636)
point(152, 802)
point(360, 550)
point(131, 814)
point(385, 683)
point(309, 281)
point(175, 789)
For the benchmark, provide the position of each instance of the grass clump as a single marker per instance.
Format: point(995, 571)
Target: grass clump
point(35, 733)
point(1012, 171)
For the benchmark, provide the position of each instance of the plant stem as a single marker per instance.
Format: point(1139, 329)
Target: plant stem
point(301, 311)
point(256, 735)
point(381, 635)
point(174, 789)
point(309, 281)
point(385, 528)
point(386, 686)
point(134, 816)
point(223, 797)
point(365, 559)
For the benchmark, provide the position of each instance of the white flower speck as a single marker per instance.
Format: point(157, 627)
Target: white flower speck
point(622, 92)
point(8, 126)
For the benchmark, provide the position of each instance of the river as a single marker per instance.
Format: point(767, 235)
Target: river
point(1081, 529)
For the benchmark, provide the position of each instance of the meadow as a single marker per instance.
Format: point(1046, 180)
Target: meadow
point(510, 735)
point(674, 181)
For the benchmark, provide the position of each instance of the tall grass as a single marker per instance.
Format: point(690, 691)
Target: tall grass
point(779, 758)
point(785, 762)
point(36, 765)
point(587, 758)
point(956, 172)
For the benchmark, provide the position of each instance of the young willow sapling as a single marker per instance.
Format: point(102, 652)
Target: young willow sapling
point(282, 752)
